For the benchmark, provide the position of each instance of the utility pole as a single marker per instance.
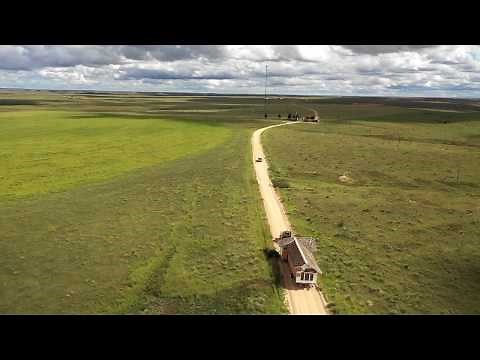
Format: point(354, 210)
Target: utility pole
point(266, 79)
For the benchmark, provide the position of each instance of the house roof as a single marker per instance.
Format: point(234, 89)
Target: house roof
point(300, 251)
point(285, 241)
point(309, 243)
point(308, 256)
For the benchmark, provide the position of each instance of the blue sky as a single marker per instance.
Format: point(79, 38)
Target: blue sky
point(391, 70)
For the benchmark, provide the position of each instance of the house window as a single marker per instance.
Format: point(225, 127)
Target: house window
point(307, 276)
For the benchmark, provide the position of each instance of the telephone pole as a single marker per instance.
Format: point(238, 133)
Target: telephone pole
point(266, 80)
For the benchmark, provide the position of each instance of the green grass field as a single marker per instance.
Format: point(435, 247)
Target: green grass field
point(47, 151)
point(135, 203)
point(122, 210)
point(404, 236)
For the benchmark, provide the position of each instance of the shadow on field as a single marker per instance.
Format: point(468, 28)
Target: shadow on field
point(273, 258)
point(275, 261)
point(13, 102)
point(246, 297)
point(206, 120)
point(456, 281)
point(420, 116)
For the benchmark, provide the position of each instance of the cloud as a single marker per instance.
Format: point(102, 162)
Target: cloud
point(287, 53)
point(293, 69)
point(173, 52)
point(39, 56)
point(382, 49)
point(157, 74)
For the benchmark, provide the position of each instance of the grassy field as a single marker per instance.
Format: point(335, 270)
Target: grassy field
point(136, 203)
point(402, 236)
point(109, 207)
point(46, 151)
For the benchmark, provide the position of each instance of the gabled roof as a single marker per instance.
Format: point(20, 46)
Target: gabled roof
point(309, 243)
point(308, 256)
point(300, 251)
point(285, 241)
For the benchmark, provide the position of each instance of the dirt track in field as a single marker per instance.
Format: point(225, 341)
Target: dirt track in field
point(300, 300)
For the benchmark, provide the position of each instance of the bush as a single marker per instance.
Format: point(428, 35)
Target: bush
point(280, 183)
point(271, 253)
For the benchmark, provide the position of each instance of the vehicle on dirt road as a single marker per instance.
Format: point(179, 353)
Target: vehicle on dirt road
point(259, 159)
point(297, 252)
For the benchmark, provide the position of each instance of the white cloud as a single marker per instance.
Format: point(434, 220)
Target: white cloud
point(304, 69)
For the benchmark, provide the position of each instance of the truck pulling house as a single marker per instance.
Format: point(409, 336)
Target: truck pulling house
point(298, 253)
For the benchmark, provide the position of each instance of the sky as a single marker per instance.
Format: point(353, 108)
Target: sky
point(368, 70)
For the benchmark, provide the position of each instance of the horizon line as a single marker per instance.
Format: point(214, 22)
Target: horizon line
point(228, 94)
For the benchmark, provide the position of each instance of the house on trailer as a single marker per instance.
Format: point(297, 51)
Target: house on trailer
point(298, 253)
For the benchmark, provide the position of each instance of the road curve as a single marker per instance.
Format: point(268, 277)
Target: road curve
point(299, 300)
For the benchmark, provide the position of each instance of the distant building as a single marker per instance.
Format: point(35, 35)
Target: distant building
point(311, 118)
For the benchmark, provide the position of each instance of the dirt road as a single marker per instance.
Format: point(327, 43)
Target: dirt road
point(300, 301)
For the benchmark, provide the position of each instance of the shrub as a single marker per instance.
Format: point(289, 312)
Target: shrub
point(280, 183)
point(271, 253)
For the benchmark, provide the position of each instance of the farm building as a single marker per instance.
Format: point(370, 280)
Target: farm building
point(298, 253)
point(294, 117)
point(311, 119)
